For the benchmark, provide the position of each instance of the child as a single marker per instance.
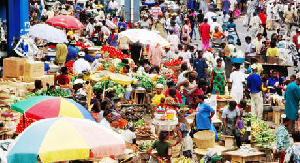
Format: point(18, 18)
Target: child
point(171, 101)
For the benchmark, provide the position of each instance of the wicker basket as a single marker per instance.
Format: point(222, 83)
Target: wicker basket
point(204, 139)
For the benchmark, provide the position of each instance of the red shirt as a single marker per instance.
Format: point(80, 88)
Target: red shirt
point(263, 18)
point(295, 40)
point(62, 79)
point(205, 29)
point(178, 96)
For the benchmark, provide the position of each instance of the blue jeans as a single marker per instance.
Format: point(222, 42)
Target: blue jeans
point(193, 30)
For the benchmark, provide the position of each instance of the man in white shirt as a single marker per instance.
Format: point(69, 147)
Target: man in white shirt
point(80, 64)
point(250, 48)
point(113, 4)
point(107, 118)
point(209, 16)
point(254, 25)
point(214, 24)
point(237, 78)
point(173, 40)
point(90, 27)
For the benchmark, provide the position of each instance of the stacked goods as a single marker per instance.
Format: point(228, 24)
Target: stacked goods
point(159, 79)
point(260, 132)
point(143, 128)
point(128, 102)
point(132, 113)
point(112, 52)
point(46, 80)
point(11, 92)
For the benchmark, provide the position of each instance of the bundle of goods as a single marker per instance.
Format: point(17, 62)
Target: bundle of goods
point(111, 67)
point(48, 92)
point(100, 86)
point(260, 132)
point(112, 52)
point(163, 115)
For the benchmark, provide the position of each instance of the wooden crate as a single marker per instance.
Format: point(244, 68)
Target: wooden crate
point(242, 157)
point(229, 141)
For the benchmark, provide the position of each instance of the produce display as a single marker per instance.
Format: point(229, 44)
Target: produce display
point(100, 86)
point(112, 52)
point(132, 113)
point(128, 102)
point(159, 79)
point(144, 130)
point(182, 159)
point(146, 80)
point(48, 92)
point(144, 146)
point(224, 97)
point(173, 62)
point(260, 132)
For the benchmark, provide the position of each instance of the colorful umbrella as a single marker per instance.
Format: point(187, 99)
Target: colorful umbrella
point(42, 107)
point(65, 21)
point(62, 138)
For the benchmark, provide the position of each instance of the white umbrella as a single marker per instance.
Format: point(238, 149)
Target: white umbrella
point(48, 33)
point(145, 37)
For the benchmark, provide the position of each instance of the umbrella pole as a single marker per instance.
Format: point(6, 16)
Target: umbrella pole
point(89, 96)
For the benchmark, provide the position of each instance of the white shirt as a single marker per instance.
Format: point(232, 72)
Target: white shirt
point(105, 30)
point(249, 48)
point(128, 136)
point(237, 78)
point(186, 57)
point(213, 25)
point(208, 15)
point(81, 65)
point(113, 5)
point(90, 28)
point(105, 123)
point(232, 4)
point(181, 78)
point(173, 39)
point(209, 57)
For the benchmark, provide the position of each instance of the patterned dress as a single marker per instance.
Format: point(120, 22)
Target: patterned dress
point(282, 138)
point(219, 81)
point(293, 153)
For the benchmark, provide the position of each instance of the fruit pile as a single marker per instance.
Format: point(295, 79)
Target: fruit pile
point(112, 52)
point(260, 131)
point(173, 62)
point(21, 126)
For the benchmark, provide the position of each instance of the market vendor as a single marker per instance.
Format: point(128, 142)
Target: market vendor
point(188, 85)
point(170, 85)
point(107, 119)
point(128, 133)
point(103, 106)
point(185, 139)
point(231, 116)
point(204, 113)
point(273, 81)
point(159, 95)
point(112, 39)
point(282, 138)
point(164, 149)
point(81, 65)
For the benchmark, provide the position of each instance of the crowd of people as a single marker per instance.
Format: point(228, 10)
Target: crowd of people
point(271, 30)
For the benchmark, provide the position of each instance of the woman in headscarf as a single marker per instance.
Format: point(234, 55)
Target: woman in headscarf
point(159, 25)
point(164, 149)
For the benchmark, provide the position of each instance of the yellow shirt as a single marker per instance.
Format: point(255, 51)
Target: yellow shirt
point(156, 99)
point(272, 52)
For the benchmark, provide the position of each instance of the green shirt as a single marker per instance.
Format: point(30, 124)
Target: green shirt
point(162, 148)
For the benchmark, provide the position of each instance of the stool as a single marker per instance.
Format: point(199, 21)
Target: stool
point(142, 93)
point(229, 141)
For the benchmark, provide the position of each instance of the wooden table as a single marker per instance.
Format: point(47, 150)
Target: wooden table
point(242, 157)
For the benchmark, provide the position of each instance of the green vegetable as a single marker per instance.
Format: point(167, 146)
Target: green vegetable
point(100, 86)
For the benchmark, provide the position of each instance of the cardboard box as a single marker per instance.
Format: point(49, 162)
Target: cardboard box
point(13, 67)
point(46, 79)
point(34, 69)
